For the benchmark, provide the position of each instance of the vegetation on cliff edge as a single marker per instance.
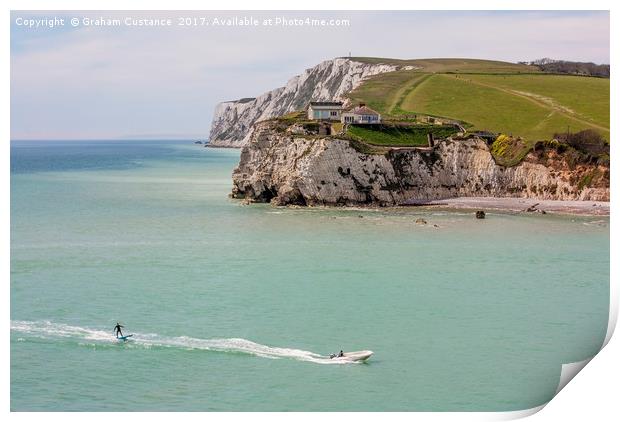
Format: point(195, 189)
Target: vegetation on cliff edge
point(499, 97)
point(398, 135)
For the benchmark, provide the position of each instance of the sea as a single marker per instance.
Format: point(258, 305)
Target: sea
point(237, 307)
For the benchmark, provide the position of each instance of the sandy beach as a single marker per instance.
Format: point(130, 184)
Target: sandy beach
point(521, 205)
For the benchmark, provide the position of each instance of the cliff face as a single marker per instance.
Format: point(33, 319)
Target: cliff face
point(288, 169)
point(328, 81)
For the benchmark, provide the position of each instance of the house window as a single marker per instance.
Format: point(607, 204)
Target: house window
point(333, 113)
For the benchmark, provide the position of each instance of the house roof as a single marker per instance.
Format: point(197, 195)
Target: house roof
point(363, 110)
point(326, 103)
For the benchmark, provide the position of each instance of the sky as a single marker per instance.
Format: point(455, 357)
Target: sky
point(136, 82)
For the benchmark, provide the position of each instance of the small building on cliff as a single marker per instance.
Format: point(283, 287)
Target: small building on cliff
point(361, 115)
point(325, 110)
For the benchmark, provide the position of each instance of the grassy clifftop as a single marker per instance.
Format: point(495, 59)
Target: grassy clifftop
point(526, 106)
point(496, 96)
point(398, 135)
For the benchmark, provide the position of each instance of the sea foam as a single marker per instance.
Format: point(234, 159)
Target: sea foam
point(91, 336)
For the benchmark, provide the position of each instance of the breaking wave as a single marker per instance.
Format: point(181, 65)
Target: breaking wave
point(83, 335)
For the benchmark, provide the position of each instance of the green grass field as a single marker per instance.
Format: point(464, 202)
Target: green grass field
point(383, 94)
point(583, 97)
point(398, 136)
point(488, 95)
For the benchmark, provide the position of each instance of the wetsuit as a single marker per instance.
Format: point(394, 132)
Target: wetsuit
point(118, 331)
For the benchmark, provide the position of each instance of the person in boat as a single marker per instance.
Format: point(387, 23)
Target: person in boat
point(341, 354)
point(336, 355)
point(117, 330)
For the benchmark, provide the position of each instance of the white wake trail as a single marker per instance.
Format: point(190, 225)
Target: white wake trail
point(51, 330)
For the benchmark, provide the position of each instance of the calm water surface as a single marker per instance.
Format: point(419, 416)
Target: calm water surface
point(232, 307)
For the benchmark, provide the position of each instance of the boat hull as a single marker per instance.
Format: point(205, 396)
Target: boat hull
point(358, 356)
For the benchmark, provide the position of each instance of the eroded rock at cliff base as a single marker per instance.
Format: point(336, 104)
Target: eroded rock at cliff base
point(283, 168)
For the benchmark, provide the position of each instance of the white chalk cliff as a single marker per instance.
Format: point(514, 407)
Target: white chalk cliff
point(284, 168)
point(328, 81)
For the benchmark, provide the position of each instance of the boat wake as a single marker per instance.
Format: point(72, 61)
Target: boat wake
point(89, 336)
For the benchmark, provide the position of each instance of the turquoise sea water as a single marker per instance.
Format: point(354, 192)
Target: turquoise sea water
point(233, 307)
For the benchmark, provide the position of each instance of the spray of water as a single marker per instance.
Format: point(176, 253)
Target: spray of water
point(84, 335)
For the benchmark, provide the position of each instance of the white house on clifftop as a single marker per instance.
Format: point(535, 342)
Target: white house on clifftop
point(326, 110)
point(361, 115)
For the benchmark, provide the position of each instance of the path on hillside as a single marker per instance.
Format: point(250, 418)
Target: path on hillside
point(413, 83)
point(419, 78)
point(534, 98)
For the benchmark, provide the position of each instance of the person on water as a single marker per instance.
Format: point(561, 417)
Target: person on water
point(117, 330)
point(334, 355)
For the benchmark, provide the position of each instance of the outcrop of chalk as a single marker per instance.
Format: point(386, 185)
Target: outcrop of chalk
point(283, 168)
point(328, 81)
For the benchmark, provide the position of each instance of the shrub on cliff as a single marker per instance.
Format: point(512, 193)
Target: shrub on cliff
point(508, 151)
point(580, 150)
point(588, 141)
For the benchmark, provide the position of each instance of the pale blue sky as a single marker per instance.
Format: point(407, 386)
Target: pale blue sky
point(110, 82)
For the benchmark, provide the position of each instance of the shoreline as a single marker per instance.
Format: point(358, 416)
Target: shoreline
point(209, 145)
point(472, 204)
point(527, 205)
